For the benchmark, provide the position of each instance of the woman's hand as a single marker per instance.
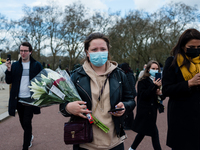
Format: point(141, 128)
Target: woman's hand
point(118, 113)
point(77, 108)
point(157, 82)
point(158, 92)
point(194, 81)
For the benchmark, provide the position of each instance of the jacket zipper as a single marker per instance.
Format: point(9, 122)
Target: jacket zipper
point(84, 91)
point(119, 88)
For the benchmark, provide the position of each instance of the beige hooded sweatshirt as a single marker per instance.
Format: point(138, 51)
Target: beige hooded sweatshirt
point(101, 140)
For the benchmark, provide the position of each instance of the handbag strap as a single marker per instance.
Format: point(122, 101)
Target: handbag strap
point(102, 89)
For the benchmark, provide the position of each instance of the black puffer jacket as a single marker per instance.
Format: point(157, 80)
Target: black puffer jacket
point(14, 77)
point(119, 92)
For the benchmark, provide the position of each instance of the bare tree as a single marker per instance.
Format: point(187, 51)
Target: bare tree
point(31, 28)
point(167, 25)
point(129, 38)
point(35, 28)
point(5, 26)
point(135, 38)
point(139, 37)
point(55, 40)
point(76, 24)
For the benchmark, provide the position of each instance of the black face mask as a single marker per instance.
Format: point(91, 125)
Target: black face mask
point(193, 52)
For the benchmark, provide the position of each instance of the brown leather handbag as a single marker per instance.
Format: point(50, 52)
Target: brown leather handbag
point(78, 132)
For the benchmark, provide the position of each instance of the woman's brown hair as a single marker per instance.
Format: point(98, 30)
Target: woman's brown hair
point(93, 36)
point(185, 37)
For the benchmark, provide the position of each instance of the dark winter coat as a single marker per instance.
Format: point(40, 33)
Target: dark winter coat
point(183, 109)
point(14, 77)
point(132, 81)
point(119, 91)
point(129, 118)
point(146, 115)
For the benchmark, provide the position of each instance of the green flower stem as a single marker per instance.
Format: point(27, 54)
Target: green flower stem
point(100, 124)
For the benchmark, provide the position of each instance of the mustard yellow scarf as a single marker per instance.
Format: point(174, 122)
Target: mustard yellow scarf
point(194, 67)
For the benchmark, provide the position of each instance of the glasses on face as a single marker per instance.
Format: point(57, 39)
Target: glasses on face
point(25, 51)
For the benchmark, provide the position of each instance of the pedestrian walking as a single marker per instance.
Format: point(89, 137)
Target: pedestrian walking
point(181, 80)
point(19, 75)
point(129, 118)
point(142, 71)
point(102, 87)
point(137, 74)
point(148, 89)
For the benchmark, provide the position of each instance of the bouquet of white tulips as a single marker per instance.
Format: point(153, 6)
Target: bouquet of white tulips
point(50, 87)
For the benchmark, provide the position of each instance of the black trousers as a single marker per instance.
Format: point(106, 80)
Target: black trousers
point(155, 140)
point(118, 147)
point(25, 117)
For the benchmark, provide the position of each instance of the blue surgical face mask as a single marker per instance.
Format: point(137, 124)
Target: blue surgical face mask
point(98, 58)
point(153, 72)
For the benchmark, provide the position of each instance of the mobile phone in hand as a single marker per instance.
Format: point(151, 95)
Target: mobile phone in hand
point(117, 109)
point(8, 57)
point(158, 75)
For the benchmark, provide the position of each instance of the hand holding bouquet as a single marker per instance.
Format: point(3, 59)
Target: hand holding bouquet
point(50, 88)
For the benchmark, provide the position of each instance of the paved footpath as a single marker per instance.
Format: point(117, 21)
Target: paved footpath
point(48, 131)
point(4, 95)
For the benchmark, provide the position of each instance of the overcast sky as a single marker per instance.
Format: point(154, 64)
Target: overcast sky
point(12, 9)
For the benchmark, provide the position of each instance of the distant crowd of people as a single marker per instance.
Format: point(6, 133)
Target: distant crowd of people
point(104, 85)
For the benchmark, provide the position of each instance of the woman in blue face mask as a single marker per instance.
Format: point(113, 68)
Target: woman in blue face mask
point(102, 87)
point(147, 103)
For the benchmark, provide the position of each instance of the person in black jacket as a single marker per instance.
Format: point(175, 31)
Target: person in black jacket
point(102, 87)
point(148, 90)
point(129, 118)
point(19, 75)
point(181, 82)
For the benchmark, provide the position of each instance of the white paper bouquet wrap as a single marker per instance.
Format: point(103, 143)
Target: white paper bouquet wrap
point(55, 87)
